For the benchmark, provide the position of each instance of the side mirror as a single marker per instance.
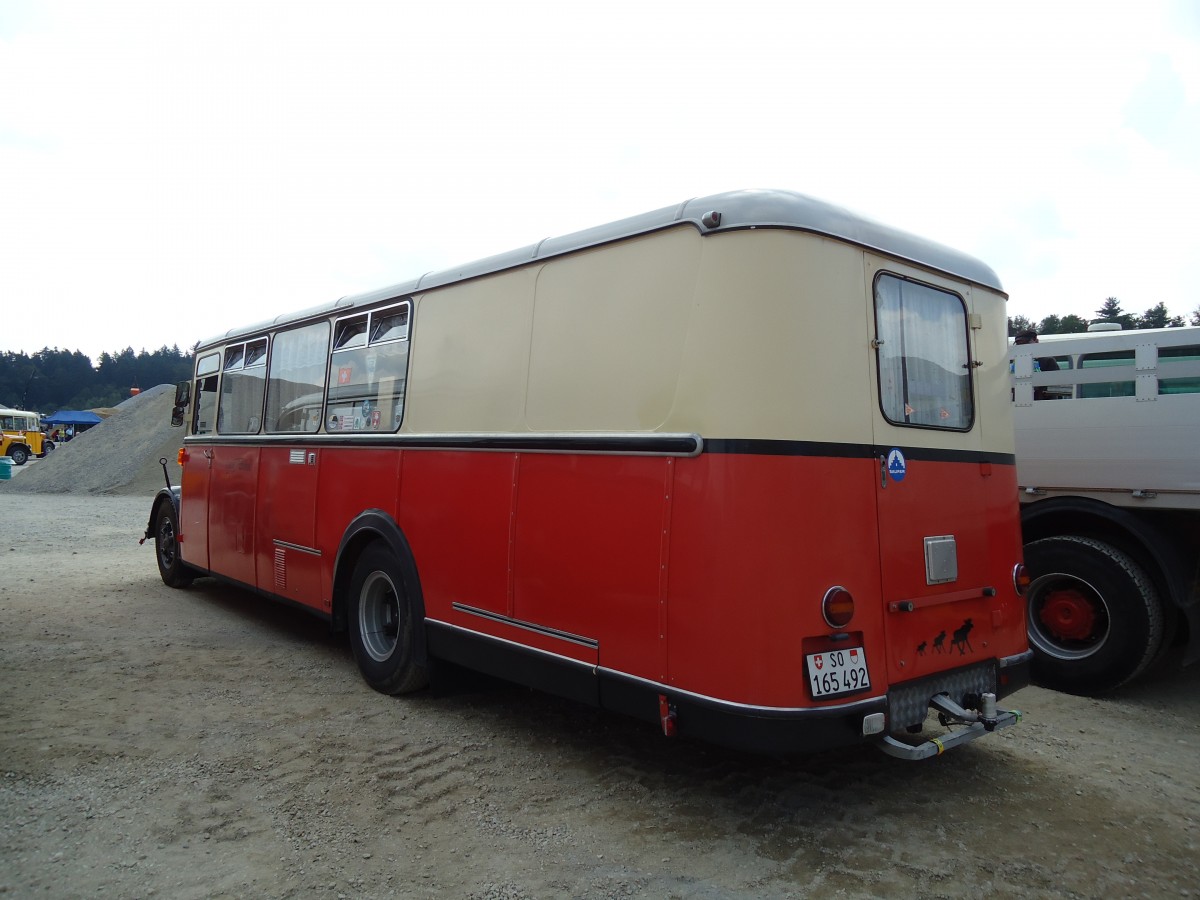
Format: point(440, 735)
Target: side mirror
point(183, 396)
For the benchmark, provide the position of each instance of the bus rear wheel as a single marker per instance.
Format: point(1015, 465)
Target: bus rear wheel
point(1095, 619)
point(383, 630)
point(174, 571)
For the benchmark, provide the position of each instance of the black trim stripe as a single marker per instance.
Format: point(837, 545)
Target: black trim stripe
point(750, 447)
point(648, 444)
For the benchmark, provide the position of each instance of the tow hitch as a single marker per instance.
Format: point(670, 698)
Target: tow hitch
point(977, 722)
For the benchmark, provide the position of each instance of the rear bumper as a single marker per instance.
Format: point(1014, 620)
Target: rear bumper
point(811, 729)
point(758, 729)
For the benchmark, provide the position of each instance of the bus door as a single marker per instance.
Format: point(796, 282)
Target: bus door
point(231, 511)
point(932, 499)
point(197, 465)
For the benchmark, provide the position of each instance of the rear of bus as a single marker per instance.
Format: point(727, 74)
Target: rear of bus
point(845, 554)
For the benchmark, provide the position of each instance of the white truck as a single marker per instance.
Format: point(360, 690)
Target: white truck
point(1108, 462)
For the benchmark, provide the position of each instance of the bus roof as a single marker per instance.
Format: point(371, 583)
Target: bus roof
point(730, 211)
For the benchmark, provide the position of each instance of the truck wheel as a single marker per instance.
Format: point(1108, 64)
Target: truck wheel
point(174, 571)
point(383, 630)
point(19, 455)
point(1095, 619)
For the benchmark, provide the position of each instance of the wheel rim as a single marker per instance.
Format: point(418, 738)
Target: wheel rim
point(1067, 617)
point(166, 542)
point(379, 616)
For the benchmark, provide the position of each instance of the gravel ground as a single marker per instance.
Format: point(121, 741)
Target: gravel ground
point(206, 743)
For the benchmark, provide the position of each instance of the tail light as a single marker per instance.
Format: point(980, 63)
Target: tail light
point(837, 607)
point(1020, 579)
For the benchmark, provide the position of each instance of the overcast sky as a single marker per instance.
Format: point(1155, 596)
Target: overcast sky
point(174, 169)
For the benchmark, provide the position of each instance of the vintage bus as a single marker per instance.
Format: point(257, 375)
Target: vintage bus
point(742, 467)
point(21, 435)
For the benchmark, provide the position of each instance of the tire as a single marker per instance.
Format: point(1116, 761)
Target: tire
point(384, 631)
point(174, 571)
point(1095, 619)
point(19, 455)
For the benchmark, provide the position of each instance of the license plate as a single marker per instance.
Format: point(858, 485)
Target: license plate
point(836, 672)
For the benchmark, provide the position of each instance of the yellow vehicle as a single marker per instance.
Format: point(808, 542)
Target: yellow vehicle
point(22, 435)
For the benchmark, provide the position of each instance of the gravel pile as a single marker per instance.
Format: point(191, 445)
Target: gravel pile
point(118, 456)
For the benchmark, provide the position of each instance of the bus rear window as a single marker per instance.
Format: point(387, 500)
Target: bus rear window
point(923, 356)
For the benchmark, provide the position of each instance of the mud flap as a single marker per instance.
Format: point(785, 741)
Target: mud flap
point(976, 724)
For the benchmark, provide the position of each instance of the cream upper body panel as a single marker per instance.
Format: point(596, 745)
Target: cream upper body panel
point(759, 334)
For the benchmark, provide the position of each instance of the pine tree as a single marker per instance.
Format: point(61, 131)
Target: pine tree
point(1111, 312)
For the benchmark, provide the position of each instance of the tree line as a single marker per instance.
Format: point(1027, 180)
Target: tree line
point(50, 380)
point(1110, 311)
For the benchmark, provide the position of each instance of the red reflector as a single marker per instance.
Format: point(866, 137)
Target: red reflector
point(837, 607)
point(666, 715)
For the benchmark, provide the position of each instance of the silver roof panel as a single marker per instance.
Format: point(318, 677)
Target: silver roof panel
point(738, 210)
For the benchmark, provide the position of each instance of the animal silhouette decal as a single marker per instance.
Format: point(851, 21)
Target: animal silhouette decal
point(960, 640)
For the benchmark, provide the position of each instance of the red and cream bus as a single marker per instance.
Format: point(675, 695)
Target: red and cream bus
point(742, 467)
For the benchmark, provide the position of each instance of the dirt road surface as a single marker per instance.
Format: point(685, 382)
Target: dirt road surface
point(205, 743)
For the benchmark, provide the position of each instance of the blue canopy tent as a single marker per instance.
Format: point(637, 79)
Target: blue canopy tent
point(73, 417)
point(69, 422)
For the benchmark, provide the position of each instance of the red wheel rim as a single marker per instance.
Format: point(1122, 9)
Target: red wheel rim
point(1068, 614)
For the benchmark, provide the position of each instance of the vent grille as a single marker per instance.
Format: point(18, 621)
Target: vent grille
point(280, 568)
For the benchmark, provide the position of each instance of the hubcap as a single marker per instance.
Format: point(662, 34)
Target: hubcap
point(1068, 618)
point(166, 543)
point(379, 616)
point(1069, 615)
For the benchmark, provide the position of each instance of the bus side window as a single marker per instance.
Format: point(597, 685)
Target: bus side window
point(366, 383)
point(204, 401)
point(245, 382)
point(296, 377)
point(204, 416)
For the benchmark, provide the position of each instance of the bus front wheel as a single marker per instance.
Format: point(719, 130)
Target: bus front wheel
point(19, 455)
point(1095, 619)
point(383, 630)
point(174, 571)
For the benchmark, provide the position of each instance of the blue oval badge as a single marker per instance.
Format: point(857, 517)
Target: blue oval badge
point(897, 466)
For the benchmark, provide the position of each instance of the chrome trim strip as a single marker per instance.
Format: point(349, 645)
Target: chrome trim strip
point(299, 548)
point(450, 626)
point(590, 643)
point(745, 708)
